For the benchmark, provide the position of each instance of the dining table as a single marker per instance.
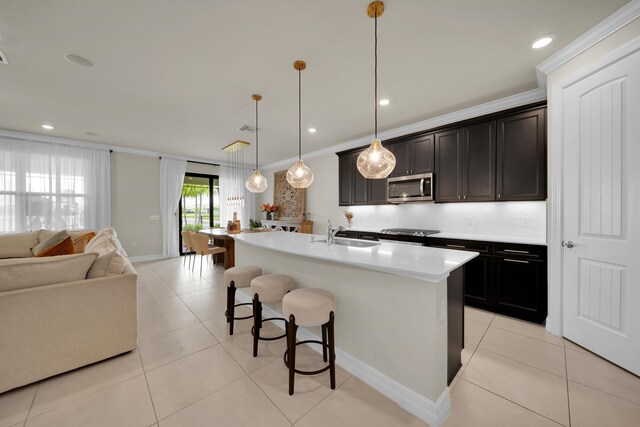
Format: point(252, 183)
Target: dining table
point(223, 238)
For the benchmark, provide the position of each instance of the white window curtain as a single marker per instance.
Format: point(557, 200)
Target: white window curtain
point(171, 179)
point(52, 186)
point(230, 182)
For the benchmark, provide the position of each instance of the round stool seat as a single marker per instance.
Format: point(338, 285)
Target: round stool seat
point(271, 287)
point(309, 306)
point(241, 275)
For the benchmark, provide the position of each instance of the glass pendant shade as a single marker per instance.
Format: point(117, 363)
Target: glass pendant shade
point(376, 162)
point(256, 183)
point(299, 175)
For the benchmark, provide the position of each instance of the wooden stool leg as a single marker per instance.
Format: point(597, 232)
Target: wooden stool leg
point(332, 353)
point(291, 351)
point(231, 302)
point(324, 342)
point(257, 323)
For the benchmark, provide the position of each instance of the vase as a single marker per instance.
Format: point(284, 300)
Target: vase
point(269, 216)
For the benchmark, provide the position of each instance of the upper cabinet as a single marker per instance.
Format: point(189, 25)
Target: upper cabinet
point(353, 187)
point(465, 164)
point(448, 166)
point(500, 157)
point(413, 156)
point(521, 156)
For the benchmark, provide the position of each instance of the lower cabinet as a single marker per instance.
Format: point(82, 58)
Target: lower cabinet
point(509, 279)
point(520, 287)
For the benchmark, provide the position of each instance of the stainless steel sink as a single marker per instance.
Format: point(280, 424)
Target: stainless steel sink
point(352, 243)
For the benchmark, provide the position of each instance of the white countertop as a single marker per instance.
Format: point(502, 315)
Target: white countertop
point(492, 238)
point(478, 237)
point(420, 262)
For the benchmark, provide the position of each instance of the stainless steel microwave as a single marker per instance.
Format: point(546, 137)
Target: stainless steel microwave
point(412, 188)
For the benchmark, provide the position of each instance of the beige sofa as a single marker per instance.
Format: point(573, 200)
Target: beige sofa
point(49, 328)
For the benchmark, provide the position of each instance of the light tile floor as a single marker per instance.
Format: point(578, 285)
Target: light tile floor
point(187, 371)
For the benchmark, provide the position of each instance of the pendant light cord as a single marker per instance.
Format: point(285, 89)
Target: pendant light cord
point(257, 134)
point(375, 91)
point(299, 114)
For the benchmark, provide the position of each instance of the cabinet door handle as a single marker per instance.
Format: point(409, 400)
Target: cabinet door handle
point(516, 260)
point(516, 251)
point(464, 197)
point(458, 197)
point(456, 246)
point(499, 195)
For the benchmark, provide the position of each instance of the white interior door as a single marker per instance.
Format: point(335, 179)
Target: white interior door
point(601, 217)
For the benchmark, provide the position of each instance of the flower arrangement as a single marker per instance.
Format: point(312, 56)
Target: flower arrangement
point(269, 209)
point(349, 216)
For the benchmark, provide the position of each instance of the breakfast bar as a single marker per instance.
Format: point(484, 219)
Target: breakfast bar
point(399, 309)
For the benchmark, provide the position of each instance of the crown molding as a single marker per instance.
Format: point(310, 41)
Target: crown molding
point(602, 30)
point(467, 113)
point(36, 137)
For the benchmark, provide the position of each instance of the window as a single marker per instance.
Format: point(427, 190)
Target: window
point(52, 186)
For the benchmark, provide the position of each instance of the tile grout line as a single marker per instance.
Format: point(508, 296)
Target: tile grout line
point(533, 338)
point(146, 381)
point(32, 402)
point(514, 402)
point(566, 369)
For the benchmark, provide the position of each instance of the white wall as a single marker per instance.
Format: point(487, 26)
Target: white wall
point(521, 219)
point(135, 202)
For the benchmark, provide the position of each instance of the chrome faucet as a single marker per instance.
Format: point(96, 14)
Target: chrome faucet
point(333, 233)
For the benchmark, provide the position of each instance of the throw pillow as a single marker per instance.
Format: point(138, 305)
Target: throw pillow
point(51, 241)
point(63, 248)
point(18, 245)
point(80, 242)
point(107, 264)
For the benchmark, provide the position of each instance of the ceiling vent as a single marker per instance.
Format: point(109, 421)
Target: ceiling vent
point(247, 128)
point(3, 59)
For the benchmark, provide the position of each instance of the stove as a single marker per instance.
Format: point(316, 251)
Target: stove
point(417, 232)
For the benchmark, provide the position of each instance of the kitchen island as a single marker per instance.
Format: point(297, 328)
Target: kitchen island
point(399, 312)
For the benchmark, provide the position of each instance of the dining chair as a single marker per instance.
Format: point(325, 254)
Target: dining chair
point(202, 247)
point(186, 241)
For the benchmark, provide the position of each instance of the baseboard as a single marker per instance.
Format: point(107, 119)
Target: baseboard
point(433, 413)
point(144, 258)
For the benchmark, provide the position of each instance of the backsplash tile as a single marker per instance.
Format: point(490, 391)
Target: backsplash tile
point(522, 219)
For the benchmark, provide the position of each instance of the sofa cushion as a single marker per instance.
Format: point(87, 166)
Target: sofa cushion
point(105, 241)
point(32, 272)
point(50, 241)
point(18, 245)
point(63, 248)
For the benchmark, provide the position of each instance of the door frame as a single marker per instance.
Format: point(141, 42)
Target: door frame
point(555, 181)
point(196, 175)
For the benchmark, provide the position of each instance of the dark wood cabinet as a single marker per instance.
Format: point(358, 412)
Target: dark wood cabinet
point(448, 165)
point(479, 163)
point(352, 186)
point(465, 164)
point(413, 156)
point(520, 288)
point(500, 156)
point(505, 278)
point(521, 156)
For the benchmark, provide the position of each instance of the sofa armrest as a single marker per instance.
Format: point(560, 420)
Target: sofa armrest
point(55, 328)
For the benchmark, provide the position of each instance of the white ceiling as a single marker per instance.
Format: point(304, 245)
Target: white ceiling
point(177, 76)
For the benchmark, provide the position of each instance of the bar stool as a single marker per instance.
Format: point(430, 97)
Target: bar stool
point(238, 277)
point(309, 307)
point(269, 288)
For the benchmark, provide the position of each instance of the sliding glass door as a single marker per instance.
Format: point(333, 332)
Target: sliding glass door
point(200, 203)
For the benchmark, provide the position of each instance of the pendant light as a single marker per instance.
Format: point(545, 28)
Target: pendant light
point(376, 162)
point(299, 175)
point(256, 183)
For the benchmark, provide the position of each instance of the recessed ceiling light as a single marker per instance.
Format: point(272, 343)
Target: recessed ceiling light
point(312, 130)
point(542, 41)
point(79, 60)
point(47, 127)
point(384, 102)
